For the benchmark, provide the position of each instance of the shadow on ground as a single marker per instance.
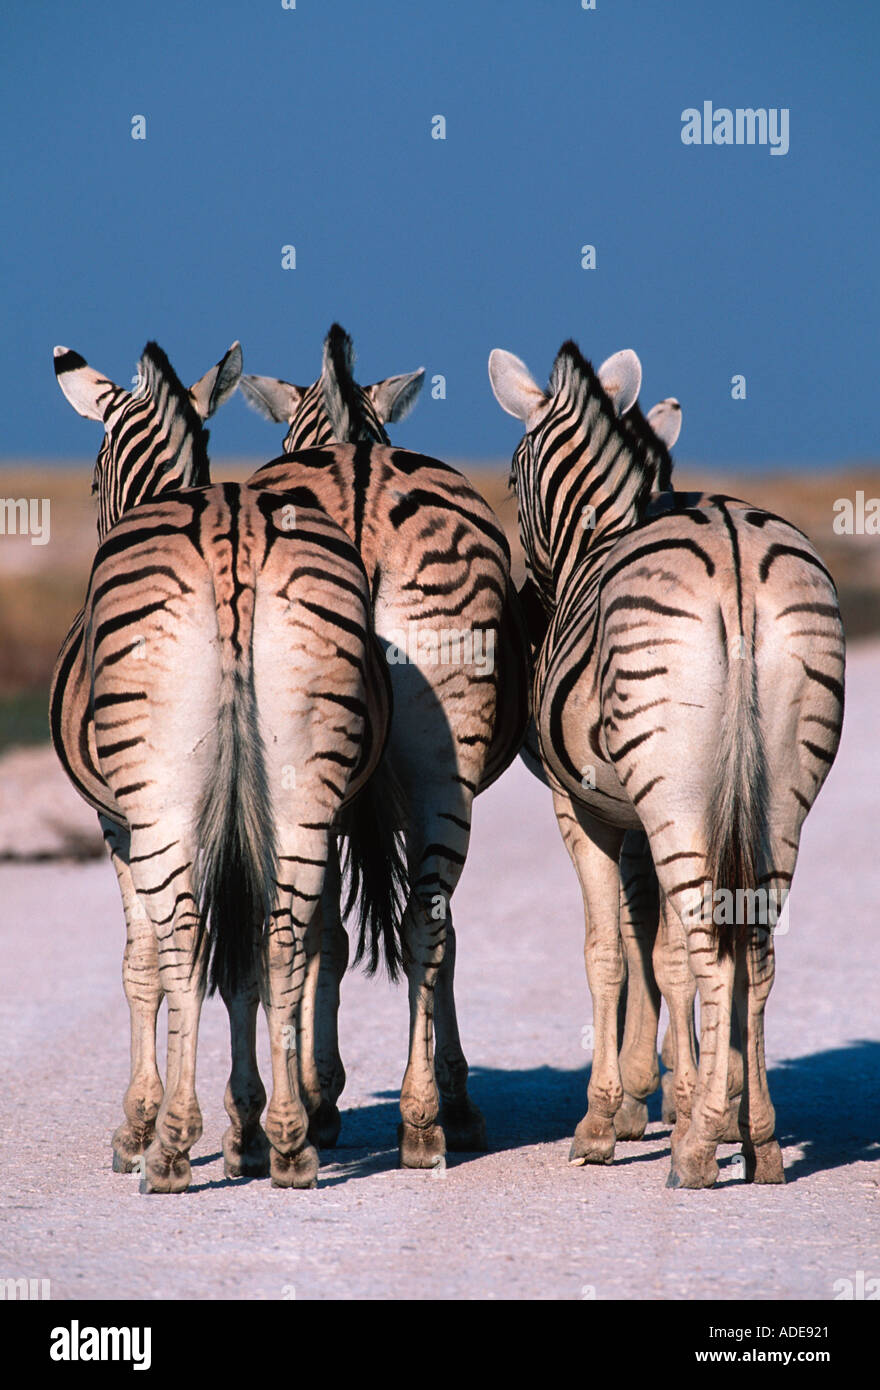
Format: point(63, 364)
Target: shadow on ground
point(825, 1104)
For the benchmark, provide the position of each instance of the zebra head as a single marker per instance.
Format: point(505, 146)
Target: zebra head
point(154, 436)
point(334, 409)
point(582, 475)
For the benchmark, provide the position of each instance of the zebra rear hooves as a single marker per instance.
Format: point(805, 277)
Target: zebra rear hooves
point(245, 1157)
point(693, 1165)
point(165, 1171)
point(130, 1143)
point(298, 1170)
point(420, 1146)
point(593, 1141)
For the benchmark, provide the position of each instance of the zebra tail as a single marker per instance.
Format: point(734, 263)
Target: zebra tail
point(236, 866)
point(378, 877)
point(737, 827)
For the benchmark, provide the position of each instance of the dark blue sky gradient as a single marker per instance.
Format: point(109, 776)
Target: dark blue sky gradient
point(267, 126)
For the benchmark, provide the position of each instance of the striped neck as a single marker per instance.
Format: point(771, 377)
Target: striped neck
point(657, 453)
point(587, 479)
point(154, 443)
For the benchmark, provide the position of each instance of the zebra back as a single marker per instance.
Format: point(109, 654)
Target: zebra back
point(409, 515)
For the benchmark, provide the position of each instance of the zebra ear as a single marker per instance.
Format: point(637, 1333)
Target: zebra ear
point(621, 378)
point(516, 390)
point(275, 399)
point(395, 397)
point(89, 393)
point(212, 389)
point(665, 420)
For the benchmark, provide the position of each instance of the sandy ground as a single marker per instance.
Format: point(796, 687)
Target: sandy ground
point(517, 1222)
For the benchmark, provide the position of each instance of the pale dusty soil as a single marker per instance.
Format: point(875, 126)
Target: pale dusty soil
point(514, 1223)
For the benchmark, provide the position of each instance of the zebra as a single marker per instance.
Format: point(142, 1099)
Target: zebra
point(218, 700)
point(639, 1014)
point(436, 557)
point(690, 686)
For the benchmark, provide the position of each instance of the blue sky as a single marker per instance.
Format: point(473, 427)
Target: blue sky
point(312, 127)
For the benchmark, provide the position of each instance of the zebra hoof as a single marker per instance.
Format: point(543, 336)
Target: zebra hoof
point(324, 1126)
point(245, 1158)
point(164, 1171)
point(593, 1141)
point(129, 1145)
point(764, 1162)
point(464, 1128)
point(420, 1147)
point(693, 1166)
point(295, 1170)
point(631, 1119)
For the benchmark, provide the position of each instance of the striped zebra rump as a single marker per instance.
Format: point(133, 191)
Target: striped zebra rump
point(444, 606)
point(404, 511)
point(199, 705)
point(658, 658)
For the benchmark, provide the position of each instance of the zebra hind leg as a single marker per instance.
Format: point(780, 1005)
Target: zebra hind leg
point(420, 1136)
point(639, 910)
point(175, 920)
point(673, 973)
point(322, 1075)
point(693, 1154)
point(245, 1146)
point(436, 844)
point(463, 1123)
point(143, 990)
point(595, 850)
point(335, 949)
point(754, 980)
point(734, 1078)
point(293, 1160)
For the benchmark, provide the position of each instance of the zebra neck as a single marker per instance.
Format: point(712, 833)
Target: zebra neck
point(188, 470)
point(584, 538)
point(140, 483)
point(595, 479)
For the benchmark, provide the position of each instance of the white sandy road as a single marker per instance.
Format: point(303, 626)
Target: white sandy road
point(517, 1222)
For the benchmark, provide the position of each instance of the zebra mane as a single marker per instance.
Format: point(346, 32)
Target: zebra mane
point(637, 424)
point(575, 376)
point(344, 400)
point(158, 380)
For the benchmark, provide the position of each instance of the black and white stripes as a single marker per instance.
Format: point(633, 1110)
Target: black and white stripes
point(219, 700)
point(693, 646)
